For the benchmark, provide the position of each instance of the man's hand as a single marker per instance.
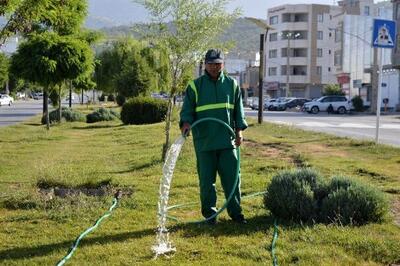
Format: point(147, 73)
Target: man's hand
point(239, 138)
point(185, 129)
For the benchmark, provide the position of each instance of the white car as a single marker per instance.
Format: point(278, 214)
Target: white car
point(338, 104)
point(6, 100)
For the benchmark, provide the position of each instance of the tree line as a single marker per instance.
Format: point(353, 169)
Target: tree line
point(58, 53)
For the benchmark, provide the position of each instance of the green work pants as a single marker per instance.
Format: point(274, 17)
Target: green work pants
point(208, 164)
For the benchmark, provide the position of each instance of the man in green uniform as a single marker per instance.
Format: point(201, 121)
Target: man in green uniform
point(215, 95)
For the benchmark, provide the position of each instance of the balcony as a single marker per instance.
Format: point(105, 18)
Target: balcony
point(294, 17)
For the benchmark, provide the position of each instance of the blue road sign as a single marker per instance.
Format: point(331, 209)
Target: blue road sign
point(384, 33)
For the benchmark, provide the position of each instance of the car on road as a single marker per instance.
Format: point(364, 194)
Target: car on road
point(6, 100)
point(37, 95)
point(268, 103)
point(336, 103)
point(289, 103)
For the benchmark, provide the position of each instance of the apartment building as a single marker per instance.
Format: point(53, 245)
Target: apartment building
point(354, 55)
point(300, 49)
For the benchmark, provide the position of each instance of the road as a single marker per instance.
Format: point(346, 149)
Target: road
point(354, 126)
point(19, 111)
point(358, 126)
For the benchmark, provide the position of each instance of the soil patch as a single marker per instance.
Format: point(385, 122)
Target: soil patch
point(396, 210)
point(50, 192)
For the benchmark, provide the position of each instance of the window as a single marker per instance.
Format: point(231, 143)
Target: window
point(273, 20)
point(338, 35)
point(320, 35)
point(273, 53)
point(319, 52)
point(284, 52)
point(272, 71)
point(283, 70)
point(319, 71)
point(320, 18)
point(329, 69)
point(330, 34)
point(330, 52)
point(366, 10)
point(338, 58)
point(273, 37)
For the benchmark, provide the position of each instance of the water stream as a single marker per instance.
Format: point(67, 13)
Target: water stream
point(163, 244)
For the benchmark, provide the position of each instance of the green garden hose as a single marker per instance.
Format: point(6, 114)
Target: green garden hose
point(116, 199)
point(275, 236)
point(208, 119)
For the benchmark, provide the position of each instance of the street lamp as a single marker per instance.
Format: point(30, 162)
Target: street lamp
point(289, 35)
point(262, 24)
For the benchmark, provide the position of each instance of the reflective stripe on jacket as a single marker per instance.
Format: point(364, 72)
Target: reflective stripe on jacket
point(219, 99)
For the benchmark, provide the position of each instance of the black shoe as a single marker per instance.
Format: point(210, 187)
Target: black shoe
point(212, 221)
point(239, 219)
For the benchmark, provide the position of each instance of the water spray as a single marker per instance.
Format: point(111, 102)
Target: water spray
point(163, 245)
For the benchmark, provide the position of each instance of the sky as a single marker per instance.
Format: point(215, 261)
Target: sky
point(125, 11)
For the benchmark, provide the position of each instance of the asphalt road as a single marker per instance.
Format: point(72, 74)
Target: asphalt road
point(354, 126)
point(357, 126)
point(19, 111)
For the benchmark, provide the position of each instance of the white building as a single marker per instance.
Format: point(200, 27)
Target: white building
point(354, 54)
point(304, 31)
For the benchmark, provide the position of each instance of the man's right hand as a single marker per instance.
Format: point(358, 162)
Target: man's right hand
point(185, 129)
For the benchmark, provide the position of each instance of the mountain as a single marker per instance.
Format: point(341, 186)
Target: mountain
point(243, 33)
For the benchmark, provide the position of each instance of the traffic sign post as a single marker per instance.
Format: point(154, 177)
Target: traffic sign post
point(383, 36)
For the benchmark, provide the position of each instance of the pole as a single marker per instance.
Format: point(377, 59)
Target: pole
point(70, 94)
point(289, 35)
point(260, 81)
point(379, 96)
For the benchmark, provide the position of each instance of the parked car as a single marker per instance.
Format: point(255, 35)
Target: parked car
point(20, 95)
point(339, 104)
point(268, 103)
point(290, 103)
point(272, 106)
point(6, 100)
point(37, 95)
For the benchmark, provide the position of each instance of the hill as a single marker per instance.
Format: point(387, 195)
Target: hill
point(243, 33)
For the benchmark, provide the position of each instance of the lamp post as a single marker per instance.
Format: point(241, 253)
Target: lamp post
point(289, 36)
point(261, 23)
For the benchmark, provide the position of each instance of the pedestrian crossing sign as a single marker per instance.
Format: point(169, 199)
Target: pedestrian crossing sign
point(384, 33)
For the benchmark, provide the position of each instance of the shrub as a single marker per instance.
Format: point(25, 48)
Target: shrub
point(350, 202)
point(333, 89)
point(143, 110)
point(102, 114)
point(304, 196)
point(358, 103)
point(67, 114)
point(291, 195)
point(120, 99)
point(111, 98)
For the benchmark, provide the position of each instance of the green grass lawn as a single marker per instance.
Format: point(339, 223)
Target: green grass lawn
point(36, 230)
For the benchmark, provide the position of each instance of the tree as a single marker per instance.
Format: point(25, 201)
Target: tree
point(129, 68)
point(333, 89)
point(196, 24)
point(4, 63)
point(57, 58)
point(27, 16)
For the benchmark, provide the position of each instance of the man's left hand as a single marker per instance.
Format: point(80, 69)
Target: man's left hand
point(239, 138)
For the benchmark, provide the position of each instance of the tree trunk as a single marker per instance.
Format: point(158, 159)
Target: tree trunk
point(167, 129)
point(59, 105)
point(82, 96)
point(70, 94)
point(46, 107)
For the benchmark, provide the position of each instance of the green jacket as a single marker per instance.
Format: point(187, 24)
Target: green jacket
point(219, 99)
